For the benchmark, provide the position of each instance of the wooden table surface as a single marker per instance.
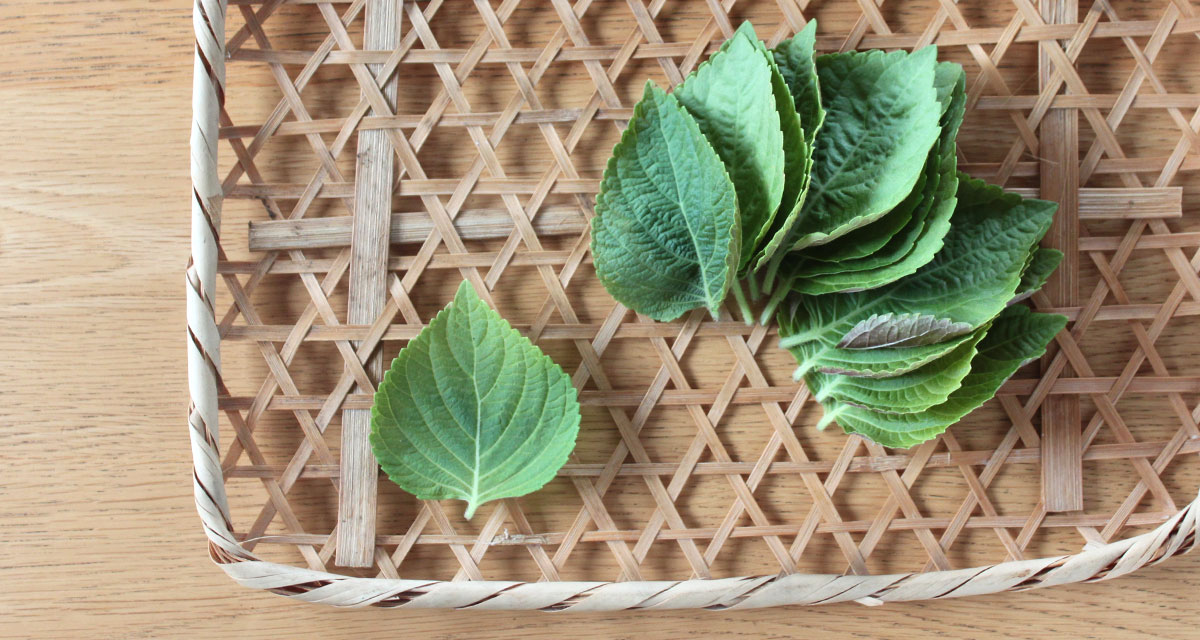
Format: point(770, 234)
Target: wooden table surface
point(98, 533)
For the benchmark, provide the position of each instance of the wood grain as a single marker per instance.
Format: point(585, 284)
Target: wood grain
point(1062, 473)
point(374, 177)
point(98, 531)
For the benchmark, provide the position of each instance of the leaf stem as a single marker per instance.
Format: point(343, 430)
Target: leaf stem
point(743, 304)
point(773, 303)
point(793, 341)
point(753, 280)
point(828, 418)
point(773, 270)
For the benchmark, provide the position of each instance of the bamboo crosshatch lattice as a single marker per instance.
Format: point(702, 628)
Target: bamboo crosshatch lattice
point(697, 457)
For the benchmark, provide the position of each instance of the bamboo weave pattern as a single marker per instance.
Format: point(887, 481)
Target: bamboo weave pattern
point(697, 458)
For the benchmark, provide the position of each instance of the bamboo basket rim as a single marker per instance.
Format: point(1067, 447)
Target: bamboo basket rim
point(1096, 562)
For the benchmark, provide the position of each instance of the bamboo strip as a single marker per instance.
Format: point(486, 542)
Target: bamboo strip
point(368, 270)
point(1155, 241)
point(409, 228)
point(1107, 166)
point(417, 187)
point(1095, 203)
point(990, 35)
point(534, 258)
point(1062, 465)
point(320, 333)
point(555, 220)
point(1121, 204)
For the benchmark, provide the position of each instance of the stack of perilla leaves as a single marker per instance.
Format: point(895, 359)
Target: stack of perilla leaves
point(826, 189)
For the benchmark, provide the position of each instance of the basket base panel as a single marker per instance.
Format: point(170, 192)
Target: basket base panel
point(697, 456)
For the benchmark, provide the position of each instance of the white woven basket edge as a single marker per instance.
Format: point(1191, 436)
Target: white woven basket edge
point(1176, 535)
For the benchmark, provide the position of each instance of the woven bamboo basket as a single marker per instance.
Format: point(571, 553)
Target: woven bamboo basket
point(365, 157)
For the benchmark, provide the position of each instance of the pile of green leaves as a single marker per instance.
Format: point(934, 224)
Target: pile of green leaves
point(826, 188)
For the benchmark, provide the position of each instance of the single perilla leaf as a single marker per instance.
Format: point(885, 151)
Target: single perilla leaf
point(666, 236)
point(795, 59)
point(804, 335)
point(472, 410)
point(798, 100)
point(732, 98)
point(882, 120)
point(1016, 337)
point(901, 330)
point(797, 169)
